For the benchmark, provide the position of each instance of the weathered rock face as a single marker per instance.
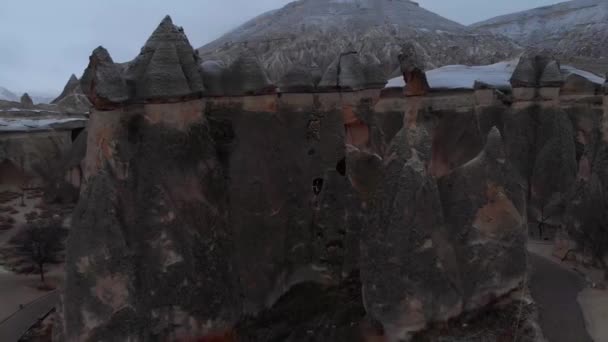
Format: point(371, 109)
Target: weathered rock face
point(291, 214)
point(485, 213)
point(151, 254)
point(298, 80)
point(150, 230)
point(102, 81)
point(26, 101)
point(72, 99)
point(72, 86)
point(208, 194)
point(537, 70)
point(167, 69)
point(411, 68)
point(33, 154)
point(347, 72)
point(425, 233)
point(246, 76)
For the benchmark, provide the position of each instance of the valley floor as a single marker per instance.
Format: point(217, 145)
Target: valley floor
point(22, 301)
point(570, 309)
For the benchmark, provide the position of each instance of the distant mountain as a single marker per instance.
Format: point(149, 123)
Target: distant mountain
point(573, 28)
point(7, 95)
point(38, 98)
point(313, 33)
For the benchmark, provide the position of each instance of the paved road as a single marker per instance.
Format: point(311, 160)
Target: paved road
point(12, 328)
point(555, 290)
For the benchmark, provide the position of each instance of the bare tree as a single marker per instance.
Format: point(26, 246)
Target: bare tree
point(40, 244)
point(549, 211)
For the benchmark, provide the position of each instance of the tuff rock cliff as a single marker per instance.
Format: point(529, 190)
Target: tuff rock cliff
point(218, 203)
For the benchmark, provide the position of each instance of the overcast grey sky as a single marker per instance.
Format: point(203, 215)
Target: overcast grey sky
point(42, 42)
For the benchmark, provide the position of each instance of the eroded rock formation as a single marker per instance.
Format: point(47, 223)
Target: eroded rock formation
point(151, 255)
point(72, 99)
point(26, 101)
point(209, 194)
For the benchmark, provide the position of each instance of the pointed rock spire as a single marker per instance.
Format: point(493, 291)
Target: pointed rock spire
point(212, 73)
point(348, 72)
point(164, 76)
point(345, 73)
point(102, 80)
point(247, 76)
point(412, 68)
point(167, 66)
point(166, 69)
point(537, 69)
point(551, 75)
point(494, 148)
point(26, 101)
point(72, 86)
point(297, 80)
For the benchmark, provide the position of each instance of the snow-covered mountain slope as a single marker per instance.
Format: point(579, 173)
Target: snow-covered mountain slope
point(313, 33)
point(573, 28)
point(7, 95)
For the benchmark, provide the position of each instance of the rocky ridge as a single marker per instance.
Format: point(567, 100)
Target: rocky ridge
point(574, 30)
point(7, 95)
point(181, 175)
point(309, 34)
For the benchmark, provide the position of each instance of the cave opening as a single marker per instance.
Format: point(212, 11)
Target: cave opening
point(76, 132)
point(341, 167)
point(317, 185)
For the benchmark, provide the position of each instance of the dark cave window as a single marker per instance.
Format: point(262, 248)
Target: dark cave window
point(317, 185)
point(311, 152)
point(76, 132)
point(133, 128)
point(341, 167)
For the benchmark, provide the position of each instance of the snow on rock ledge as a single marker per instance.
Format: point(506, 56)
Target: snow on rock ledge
point(43, 124)
point(495, 75)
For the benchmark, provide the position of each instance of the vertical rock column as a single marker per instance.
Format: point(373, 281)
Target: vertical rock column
point(540, 137)
point(446, 231)
point(150, 253)
point(408, 280)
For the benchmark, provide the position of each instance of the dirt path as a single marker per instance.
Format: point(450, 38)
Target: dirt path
point(555, 290)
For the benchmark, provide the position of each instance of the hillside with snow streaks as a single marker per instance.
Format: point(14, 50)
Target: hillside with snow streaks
point(7, 95)
point(573, 28)
point(313, 33)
